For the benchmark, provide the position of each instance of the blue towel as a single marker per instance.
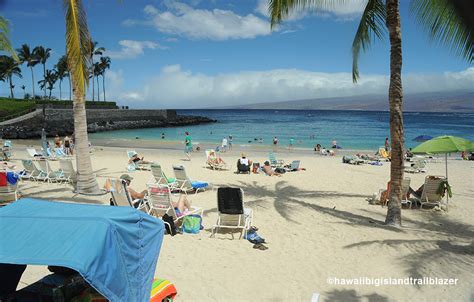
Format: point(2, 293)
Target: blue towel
point(12, 178)
point(199, 184)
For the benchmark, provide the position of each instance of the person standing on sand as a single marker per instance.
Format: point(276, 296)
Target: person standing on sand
point(275, 143)
point(230, 142)
point(188, 148)
point(387, 144)
point(224, 144)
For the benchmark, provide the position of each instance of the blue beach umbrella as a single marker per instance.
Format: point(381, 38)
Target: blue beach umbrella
point(422, 138)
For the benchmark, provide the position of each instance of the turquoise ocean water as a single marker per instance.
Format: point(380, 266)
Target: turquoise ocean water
point(356, 130)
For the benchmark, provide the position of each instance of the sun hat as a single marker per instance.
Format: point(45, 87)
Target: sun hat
point(243, 154)
point(126, 177)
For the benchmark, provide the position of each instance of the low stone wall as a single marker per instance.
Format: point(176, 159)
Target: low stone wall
point(61, 121)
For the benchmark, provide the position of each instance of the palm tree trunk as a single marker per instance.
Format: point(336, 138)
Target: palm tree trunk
point(11, 87)
point(98, 89)
point(70, 88)
point(32, 80)
point(93, 86)
point(103, 85)
point(60, 94)
point(44, 77)
point(395, 93)
point(86, 181)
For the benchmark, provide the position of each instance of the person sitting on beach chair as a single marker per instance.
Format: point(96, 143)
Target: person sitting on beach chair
point(243, 164)
point(214, 158)
point(269, 170)
point(137, 197)
point(135, 159)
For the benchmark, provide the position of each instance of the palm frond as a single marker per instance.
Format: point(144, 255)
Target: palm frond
point(77, 44)
point(280, 9)
point(372, 25)
point(5, 44)
point(445, 26)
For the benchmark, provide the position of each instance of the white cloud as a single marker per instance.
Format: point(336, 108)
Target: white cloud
point(132, 49)
point(174, 87)
point(183, 20)
point(342, 11)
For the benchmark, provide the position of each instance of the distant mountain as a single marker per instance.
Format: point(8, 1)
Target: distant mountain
point(422, 102)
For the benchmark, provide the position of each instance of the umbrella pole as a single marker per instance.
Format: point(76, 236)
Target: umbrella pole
point(446, 164)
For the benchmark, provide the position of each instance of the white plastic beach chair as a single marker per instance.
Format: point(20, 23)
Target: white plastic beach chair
point(120, 195)
point(184, 183)
point(32, 152)
point(51, 174)
point(40, 173)
point(136, 166)
point(274, 162)
point(417, 167)
point(430, 195)
point(67, 169)
point(211, 161)
point(159, 201)
point(405, 190)
point(159, 177)
point(231, 211)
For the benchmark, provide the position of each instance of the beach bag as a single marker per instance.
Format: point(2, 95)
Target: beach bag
point(192, 224)
point(169, 225)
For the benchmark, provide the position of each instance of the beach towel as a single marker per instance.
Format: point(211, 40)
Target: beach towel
point(3, 179)
point(161, 290)
point(12, 178)
point(199, 184)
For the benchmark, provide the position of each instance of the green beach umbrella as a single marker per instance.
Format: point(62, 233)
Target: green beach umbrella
point(444, 144)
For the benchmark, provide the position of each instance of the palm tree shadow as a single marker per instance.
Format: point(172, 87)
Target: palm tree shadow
point(351, 295)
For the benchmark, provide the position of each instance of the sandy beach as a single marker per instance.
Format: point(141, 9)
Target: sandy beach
point(318, 225)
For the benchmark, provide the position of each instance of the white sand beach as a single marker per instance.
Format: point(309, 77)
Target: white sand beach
point(318, 226)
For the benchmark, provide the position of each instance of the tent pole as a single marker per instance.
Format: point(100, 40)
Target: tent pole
point(446, 164)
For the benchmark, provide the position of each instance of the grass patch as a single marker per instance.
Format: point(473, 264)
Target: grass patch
point(11, 108)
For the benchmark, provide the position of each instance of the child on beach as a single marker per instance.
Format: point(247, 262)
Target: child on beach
point(188, 148)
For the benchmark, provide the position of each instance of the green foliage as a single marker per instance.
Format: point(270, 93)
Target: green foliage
point(11, 108)
point(5, 44)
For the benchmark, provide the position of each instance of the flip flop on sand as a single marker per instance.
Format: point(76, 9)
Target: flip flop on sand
point(260, 246)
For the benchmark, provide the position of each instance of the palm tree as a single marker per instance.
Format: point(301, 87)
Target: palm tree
point(378, 16)
point(23, 87)
point(78, 50)
point(9, 67)
point(104, 65)
point(28, 57)
point(5, 44)
point(95, 52)
point(62, 72)
point(96, 70)
point(43, 55)
point(49, 80)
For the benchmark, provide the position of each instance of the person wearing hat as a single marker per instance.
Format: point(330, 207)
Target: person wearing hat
point(243, 164)
point(134, 195)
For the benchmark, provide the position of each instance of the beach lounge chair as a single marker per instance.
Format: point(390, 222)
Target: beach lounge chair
point(431, 194)
point(185, 184)
point(159, 177)
point(231, 211)
point(274, 162)
point(32, 152)
point(67, 169)
point(159, 201)
point(417, 167)
point(136, 166)
point(38, 172)
point(384, 195)
point(294, 166)
point(213, 162)
point(383, 154)
point(120, 196)
point(50, 173)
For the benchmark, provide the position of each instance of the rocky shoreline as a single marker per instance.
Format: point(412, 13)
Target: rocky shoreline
point(30, 128)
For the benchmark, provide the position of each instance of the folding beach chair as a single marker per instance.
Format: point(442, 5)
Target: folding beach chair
point(384, 195)
point(159, 177)
point(212, 161)
point(159, 202)
point(417, 167)
point(136, 166)
point(294, 166)
point(231, 211)
point(8, 194)
point(50, 174)
point(431, 194)
point(67, 169)
point(120, 195)
point(185, 184)
point(29, 170)
point(40, 173)
point(274, 162)
point(32, 152)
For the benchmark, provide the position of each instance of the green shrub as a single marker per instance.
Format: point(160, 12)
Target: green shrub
point(11, 108)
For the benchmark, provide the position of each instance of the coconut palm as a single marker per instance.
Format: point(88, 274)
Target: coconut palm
point(43, 55)
point(78, 50)
point(96, 70)
point(49, 80)
point(8, 68)
point(378, 17)
point(27, 56)
point(23, 87)
point(104, 65)
point(5, 44)
point(95, 51)
point(62, 72)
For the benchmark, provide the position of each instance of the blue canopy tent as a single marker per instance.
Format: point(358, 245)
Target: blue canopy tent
point(115, 249)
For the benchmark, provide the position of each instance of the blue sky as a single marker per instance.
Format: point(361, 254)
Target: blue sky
point(192, 53)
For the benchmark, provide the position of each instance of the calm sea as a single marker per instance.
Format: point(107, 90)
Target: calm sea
point(358, 130)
